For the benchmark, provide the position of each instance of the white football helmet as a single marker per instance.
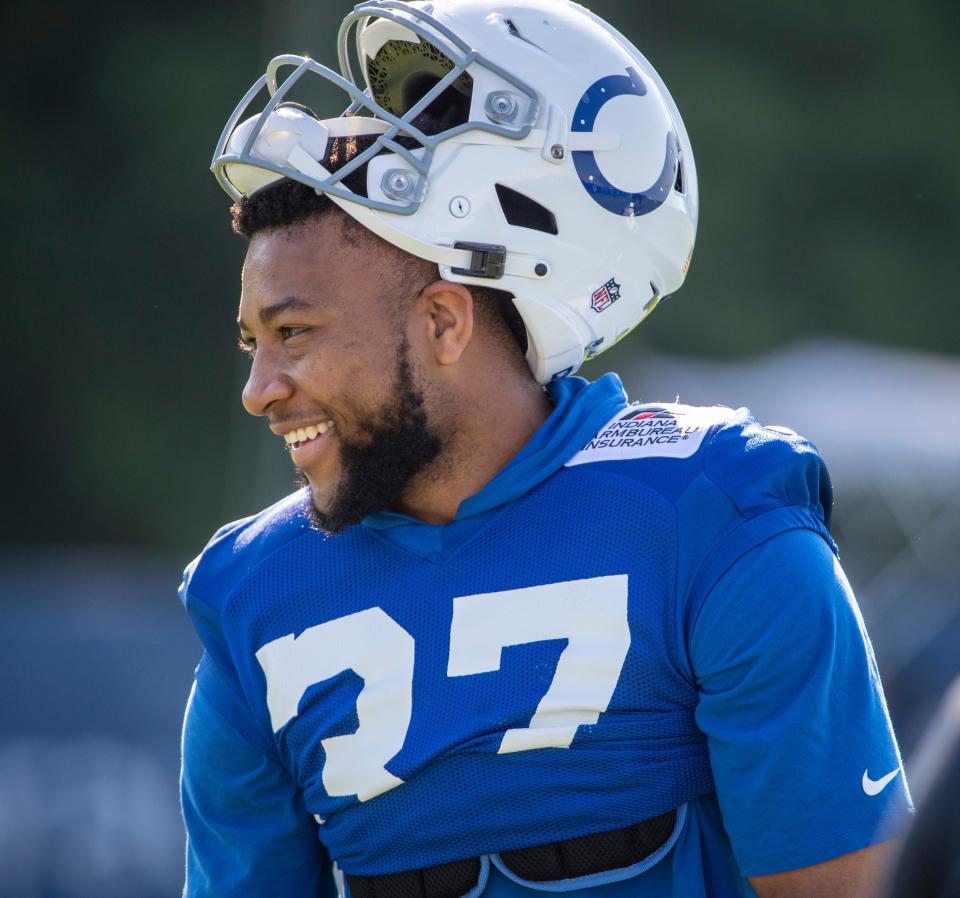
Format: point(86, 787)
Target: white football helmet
point(565, 177)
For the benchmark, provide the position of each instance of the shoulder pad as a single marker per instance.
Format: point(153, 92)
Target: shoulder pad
point(235, 548)
point(756, 467)
point(760, 467)
point(212, 577)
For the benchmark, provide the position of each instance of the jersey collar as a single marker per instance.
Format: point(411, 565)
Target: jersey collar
point(580, 410)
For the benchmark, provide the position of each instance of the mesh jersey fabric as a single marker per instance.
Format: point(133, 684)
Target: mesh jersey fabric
point(645, 755)
point(671, 524)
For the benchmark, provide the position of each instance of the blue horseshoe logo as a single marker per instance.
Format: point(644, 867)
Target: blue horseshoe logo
point(620, 202)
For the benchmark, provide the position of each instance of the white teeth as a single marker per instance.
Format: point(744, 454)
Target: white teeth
point(303, 434)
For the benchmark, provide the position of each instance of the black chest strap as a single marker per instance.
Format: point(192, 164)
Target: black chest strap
point(596, 853)
point(451, 880)
point(552, 862)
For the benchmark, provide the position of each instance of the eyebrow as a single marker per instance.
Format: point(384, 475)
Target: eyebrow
point(287, 304)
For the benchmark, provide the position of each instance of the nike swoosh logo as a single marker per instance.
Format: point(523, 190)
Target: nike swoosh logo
point(875, 787)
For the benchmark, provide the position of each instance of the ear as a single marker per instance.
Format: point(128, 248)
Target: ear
point(448, 317)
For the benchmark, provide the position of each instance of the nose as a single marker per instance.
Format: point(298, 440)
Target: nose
point(266, 384)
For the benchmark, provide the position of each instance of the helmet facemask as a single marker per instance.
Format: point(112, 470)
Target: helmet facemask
point(423, 68)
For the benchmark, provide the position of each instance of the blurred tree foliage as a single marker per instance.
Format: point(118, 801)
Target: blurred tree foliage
point(825, 138)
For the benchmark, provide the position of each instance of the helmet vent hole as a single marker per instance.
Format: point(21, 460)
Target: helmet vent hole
point(678, 184)
point(515, 32)
point(523, 212)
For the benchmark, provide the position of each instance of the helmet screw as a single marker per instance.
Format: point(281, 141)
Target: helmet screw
point(556, 151)
point(398, 184)
point(459, 207)
point(502, 107)
point(540, 269)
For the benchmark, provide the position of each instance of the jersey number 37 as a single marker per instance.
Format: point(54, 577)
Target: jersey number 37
point(590, 614)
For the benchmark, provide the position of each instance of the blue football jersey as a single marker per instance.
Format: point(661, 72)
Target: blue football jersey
point(573, 654)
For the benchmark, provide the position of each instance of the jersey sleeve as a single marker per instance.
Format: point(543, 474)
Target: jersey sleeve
point(803, 754)
point(248, 831)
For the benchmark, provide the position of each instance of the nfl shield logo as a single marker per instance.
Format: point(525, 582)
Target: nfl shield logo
point(605, 296)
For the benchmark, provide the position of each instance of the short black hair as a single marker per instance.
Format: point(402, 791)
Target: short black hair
point(288, 203)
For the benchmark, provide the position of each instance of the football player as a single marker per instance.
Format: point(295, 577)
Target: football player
point(514, 634)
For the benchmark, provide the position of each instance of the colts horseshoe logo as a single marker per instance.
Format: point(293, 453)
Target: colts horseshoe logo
point(612, 198)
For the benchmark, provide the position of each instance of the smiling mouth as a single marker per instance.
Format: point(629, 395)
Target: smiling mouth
point(302, 436)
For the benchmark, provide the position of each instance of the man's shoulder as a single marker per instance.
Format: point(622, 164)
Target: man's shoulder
point(675, 448)
point(238, 547)
point(652, 431)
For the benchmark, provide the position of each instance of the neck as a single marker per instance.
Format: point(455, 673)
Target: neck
point(479, 443)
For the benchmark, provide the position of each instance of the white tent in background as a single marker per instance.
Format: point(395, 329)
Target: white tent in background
point(884, 419)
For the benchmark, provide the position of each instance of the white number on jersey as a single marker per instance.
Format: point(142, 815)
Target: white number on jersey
point(590, 614)
point(375, 647)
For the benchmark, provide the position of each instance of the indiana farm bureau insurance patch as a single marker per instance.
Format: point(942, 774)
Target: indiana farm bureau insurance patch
point(652, 431)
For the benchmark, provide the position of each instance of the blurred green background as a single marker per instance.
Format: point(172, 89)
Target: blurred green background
point(826, 140)
point(821, 294)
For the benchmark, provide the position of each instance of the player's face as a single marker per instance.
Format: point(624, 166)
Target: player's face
point(332, 370)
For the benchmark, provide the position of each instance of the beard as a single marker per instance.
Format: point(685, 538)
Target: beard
point(399, 443)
